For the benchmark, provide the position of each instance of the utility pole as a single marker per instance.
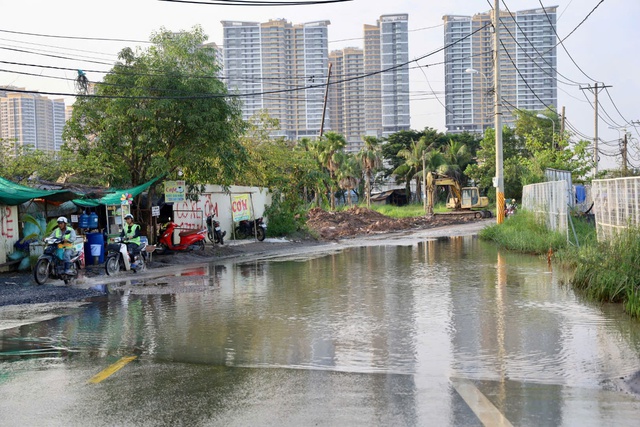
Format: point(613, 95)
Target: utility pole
point(562, 122)
point(595, 91)
point(624, 154)
point(326, 96)
point(499, 178)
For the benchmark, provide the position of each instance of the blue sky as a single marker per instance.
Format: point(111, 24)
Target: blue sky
point(603, 47)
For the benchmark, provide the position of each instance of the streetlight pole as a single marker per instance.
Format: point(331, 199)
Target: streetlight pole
point(553, 122)
point(499, 178)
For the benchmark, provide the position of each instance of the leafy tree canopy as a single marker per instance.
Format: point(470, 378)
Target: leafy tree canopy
point(159, 110)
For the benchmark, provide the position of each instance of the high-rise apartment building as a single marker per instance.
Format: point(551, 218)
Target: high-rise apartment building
point(527, 67)
point(394, 58)
point(371, 93)
point(31, 120)
point(272, 60)
point(218, 55)
point(369, 88)
point(347, 97)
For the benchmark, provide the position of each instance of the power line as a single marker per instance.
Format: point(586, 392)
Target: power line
point(56, 47)
point(54, 56)
point(239, 95)
point(75, 37)
point(534, 48)
point(561, 41)
point(255, 79)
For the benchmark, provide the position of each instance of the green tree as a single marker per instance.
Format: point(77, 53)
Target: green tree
point(457, 158)
point(349, 174)
point(395, 142)
point(23, 163)
point(412, 165)
point(370, 157)
point(328, 150)
point(160, 110)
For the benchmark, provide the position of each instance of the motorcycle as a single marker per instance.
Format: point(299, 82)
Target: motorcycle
point(247, 228)
point(509, 210)
point(190, 239)
point(50, 264)
point(214, 232)
point(119, 259)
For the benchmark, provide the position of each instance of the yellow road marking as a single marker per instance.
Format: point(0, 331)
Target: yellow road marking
point(106, 373)
point(486, 412)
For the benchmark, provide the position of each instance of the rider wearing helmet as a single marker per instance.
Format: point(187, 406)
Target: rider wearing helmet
point(131, 234)
point(68, 237)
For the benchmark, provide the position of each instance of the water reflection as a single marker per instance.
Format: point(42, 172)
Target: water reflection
point(405, 317)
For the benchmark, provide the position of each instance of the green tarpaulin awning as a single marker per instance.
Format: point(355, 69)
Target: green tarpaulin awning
point(115, 196)
point(12, 194)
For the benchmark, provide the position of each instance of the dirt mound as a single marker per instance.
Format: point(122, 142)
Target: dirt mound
point(358, 221)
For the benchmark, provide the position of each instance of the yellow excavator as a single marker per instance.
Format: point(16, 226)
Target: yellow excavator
point(461, 200)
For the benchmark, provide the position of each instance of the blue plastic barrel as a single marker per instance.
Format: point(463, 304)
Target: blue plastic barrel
point(83, 221)
point(94, 248)
point(93, 220)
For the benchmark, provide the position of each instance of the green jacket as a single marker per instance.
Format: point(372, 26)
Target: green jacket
point(131, 233)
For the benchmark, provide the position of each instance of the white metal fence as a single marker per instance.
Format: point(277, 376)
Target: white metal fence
point(616, 205)
point(548, 200)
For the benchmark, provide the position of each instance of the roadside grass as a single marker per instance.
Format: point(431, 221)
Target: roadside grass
point(522, 232)
point(609, 271)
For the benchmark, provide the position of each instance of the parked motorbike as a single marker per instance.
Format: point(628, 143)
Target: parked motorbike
point(214, 232)
point(119, 259)
point(50, 264)
point(247, 228)
point(190, 239)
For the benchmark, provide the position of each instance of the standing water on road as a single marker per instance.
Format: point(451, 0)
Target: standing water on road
point(437, 332)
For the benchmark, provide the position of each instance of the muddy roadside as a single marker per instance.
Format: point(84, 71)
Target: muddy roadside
point(333, 231)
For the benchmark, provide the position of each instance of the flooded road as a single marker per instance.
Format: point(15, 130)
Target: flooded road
point(404, 332)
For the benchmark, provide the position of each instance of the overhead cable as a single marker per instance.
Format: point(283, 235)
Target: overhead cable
point(238, 95)
point(561, 41)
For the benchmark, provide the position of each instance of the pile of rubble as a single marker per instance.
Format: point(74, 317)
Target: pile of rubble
point(359, 221)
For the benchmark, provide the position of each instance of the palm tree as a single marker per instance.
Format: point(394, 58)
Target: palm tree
point(412, 166)
point(348, 174)
point(370, 157)
point(330, 144)
point(457, 157)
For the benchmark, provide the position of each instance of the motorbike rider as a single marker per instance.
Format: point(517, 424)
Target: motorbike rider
point(68, 237)
point(131, 236)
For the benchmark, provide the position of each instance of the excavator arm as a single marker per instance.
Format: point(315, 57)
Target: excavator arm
point(461, 198)
point(454, 187)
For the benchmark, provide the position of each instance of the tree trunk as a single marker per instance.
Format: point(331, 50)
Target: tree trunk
point(367, 185)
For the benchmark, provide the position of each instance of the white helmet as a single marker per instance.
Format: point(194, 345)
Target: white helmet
point(62, 219)
point(127, 216)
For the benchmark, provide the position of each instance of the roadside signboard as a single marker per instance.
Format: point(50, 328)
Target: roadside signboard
point(155, 210)
point(174, 191)
point(240, 207)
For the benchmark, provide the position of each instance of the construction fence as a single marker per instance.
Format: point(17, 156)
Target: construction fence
point(616, 205)
point(549, 201)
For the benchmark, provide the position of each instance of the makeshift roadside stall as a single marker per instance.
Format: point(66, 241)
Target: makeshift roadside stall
point(116, 205)
point(11, 196)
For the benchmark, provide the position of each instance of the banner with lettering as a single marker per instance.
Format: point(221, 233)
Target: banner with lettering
point(240, 207)
point(174, 191)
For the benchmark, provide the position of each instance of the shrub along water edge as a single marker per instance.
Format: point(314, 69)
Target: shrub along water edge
point(606, 271)
point(610, 271)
